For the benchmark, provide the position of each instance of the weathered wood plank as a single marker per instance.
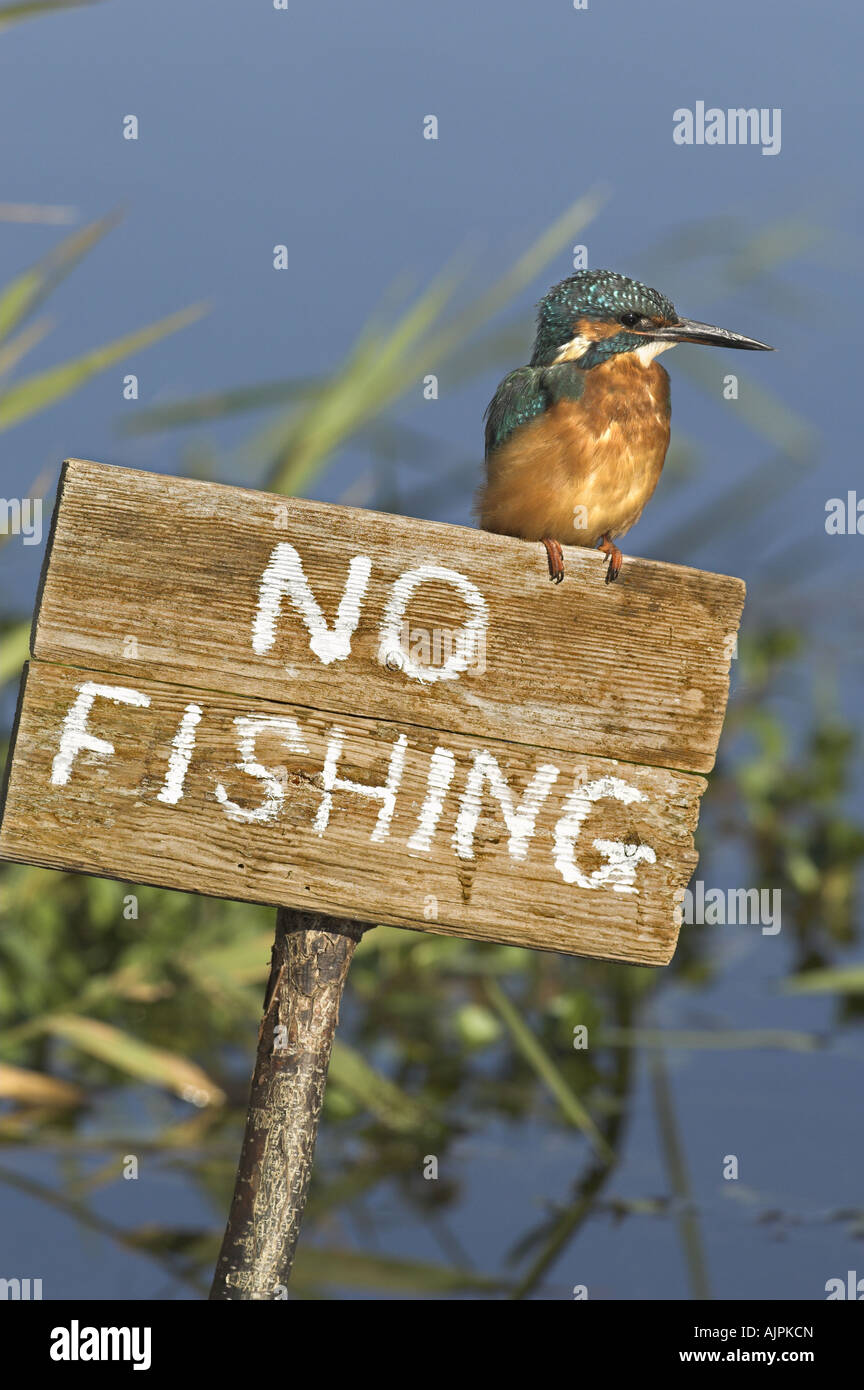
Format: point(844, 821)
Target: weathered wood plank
point(159, 578)
point(112, 813)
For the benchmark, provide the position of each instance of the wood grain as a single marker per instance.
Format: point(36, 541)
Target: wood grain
point(159, 577)
point(107, 819)
point(545, 795)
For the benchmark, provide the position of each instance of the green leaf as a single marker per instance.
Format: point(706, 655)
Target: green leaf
point(353, 1269)
point(52, 215)
point(37, 392)
point(243, 961)
point(138, 1059)
point(29, 289)
point(370, 379)
point(216, 405)
point(672, 1146)
point(31, 9)
point(842, 979)
point(547, 1069)
point(383, 366)
point(14, 651)
point(518, 277)
point(711, 1039)
point(391, 1105)
point(37, 1088)
point(477, 1026)
point(14, 349)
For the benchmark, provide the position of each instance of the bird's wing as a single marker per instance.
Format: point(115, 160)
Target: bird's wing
point(523, 395)
point(518, 399)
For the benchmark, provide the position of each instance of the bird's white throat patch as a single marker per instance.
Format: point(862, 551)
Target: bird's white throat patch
point(648, 351)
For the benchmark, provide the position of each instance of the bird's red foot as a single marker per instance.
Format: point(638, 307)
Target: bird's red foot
point(613, 568)
point(555, 556)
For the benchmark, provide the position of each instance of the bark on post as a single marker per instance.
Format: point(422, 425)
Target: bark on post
point(309, 965)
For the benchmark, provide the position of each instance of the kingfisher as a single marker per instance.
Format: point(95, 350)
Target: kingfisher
point(575, 441)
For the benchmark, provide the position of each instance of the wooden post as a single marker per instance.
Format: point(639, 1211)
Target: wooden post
point(309, 965)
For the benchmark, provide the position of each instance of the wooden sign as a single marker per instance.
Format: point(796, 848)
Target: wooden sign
point(286, 702)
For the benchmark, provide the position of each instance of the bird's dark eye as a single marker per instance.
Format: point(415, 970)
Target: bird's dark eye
point(630, 319)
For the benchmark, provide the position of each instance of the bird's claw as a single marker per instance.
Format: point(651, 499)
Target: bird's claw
point(614, 559)
point(555, 556)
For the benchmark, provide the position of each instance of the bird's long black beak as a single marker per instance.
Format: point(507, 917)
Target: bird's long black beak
point(689, 331)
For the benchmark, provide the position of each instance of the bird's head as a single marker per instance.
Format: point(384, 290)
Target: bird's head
point(592, 316)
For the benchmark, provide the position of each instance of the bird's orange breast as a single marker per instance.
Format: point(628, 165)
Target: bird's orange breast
point(584, 468)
